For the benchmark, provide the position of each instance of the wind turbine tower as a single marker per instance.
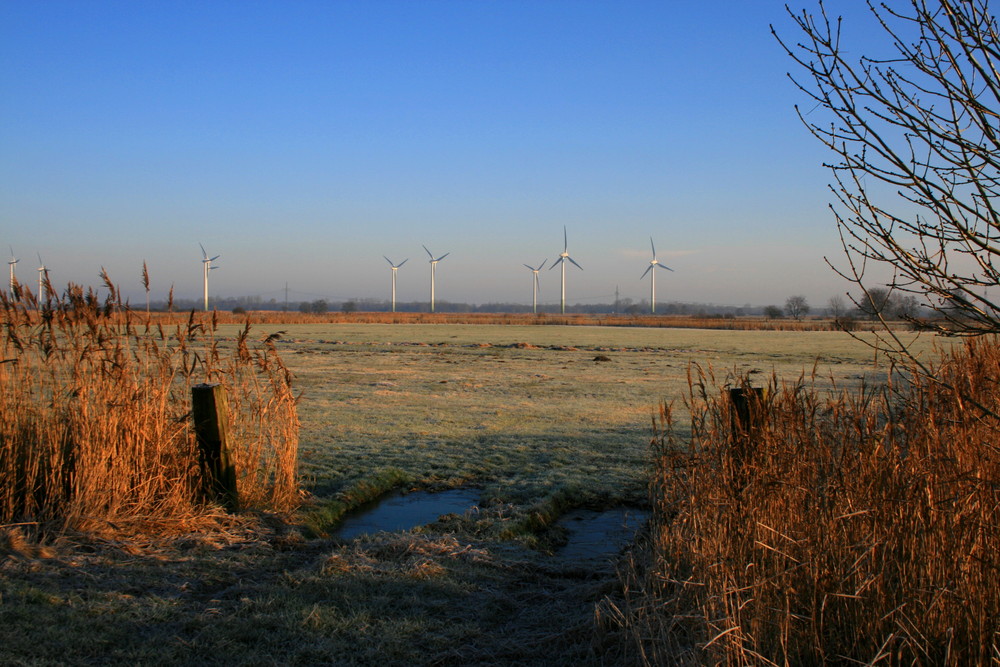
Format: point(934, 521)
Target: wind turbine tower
point(43, 276)
point(206, 263)
point(653, 264)
point(12, 262)
point(433, 268)
point(395, 267)
point(535, 286)
point(563, 258)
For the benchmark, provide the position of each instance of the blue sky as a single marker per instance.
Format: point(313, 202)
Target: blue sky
point(305, 140)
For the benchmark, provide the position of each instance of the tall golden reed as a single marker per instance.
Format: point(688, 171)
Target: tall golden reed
point(95, 413)
point(859, 527)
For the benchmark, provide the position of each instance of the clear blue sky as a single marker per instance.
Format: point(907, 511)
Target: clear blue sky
point(305, 140)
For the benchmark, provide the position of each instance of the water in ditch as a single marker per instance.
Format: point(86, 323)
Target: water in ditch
point(406, 511)
point(594, 537)
point(597, 536)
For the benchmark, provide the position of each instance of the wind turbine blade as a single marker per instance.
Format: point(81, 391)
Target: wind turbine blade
point(663, 266)
point(565, 240)
point(574, 263)
point(215, 258)
point(538, 285)
point(528, 267)
point(429, 253)
point(652, 246)
point(442, 257)
point(389, 260)
point(203, 253)
point(403, 262)
point(648, 269)
point(556, 263)
point(542, 264)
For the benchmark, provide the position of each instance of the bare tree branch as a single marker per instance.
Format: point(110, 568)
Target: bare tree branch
point(915, 132)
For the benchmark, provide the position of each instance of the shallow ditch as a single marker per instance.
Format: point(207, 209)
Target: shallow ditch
point(405, 511)
point(593, 537)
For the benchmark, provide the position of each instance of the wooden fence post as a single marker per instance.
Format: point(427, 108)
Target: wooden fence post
point(210, 412)
point(745, 419)
point(747, 403)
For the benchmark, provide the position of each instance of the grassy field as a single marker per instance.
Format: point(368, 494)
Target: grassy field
point(521, 410)
point(540, 418)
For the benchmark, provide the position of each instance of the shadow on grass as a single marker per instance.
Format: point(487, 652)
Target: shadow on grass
point(389, 599)
point(605, 466)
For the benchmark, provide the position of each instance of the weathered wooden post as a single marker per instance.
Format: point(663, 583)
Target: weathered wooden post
point(210, 412)
point(745, 419)
point(746, 403)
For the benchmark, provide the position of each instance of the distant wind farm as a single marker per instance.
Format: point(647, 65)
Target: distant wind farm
point(563, 258)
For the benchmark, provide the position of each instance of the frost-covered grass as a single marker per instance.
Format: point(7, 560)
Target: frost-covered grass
point(521, 411)
point(526, 413)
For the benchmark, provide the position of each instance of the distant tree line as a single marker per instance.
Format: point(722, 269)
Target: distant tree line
point(623, 306)
point(872, 304)
point(879, 301)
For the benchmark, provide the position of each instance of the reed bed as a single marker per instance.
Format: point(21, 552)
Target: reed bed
point(95, 428)
point(863, 526)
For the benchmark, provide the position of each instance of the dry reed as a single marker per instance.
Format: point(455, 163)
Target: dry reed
point(859, 527)
point(95, 413)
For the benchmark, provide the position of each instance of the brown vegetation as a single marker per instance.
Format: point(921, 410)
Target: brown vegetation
point(861, 527)
point(95, 414)
point(654, 321)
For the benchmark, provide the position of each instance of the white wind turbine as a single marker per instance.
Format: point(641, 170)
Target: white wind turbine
point(535, 286)
point(206, 263)
point(563, 258)
point(433, 268)
point(12, 262)
point(653, 263)
point(395, 267)
point(43, 276)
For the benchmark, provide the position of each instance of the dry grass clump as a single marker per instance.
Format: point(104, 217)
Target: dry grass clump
point(862, 527)
point(95, 413)
point(410, 555)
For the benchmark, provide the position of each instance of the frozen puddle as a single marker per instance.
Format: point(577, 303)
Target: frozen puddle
point(600, 535)
point(403, 512)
